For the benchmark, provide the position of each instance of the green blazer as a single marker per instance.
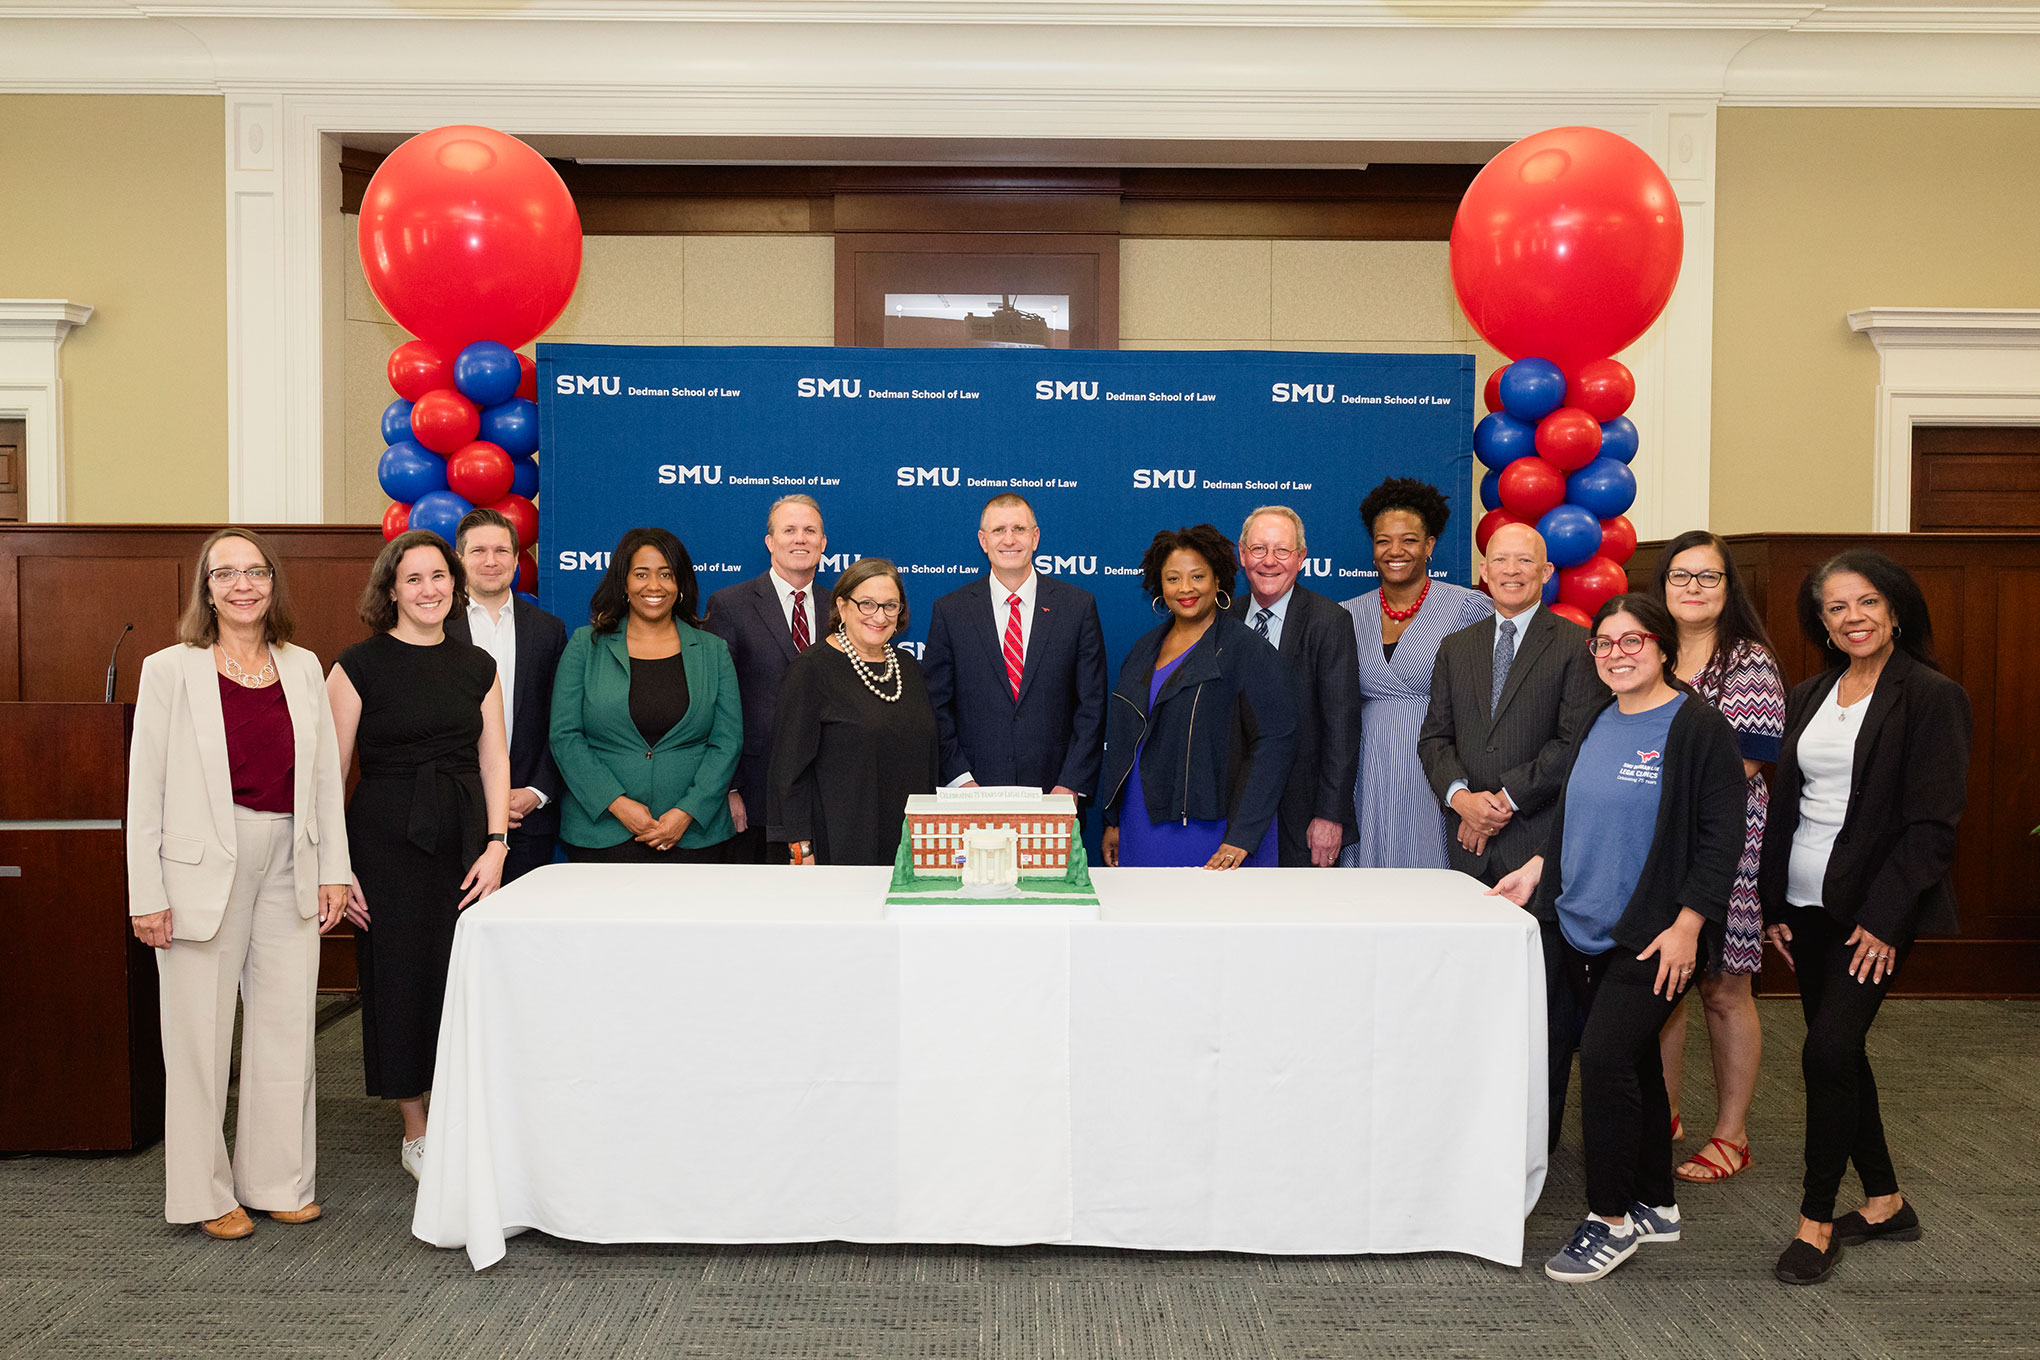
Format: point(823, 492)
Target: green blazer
point(602, 755)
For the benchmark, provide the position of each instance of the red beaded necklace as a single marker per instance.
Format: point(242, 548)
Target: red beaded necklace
point(1404, 615)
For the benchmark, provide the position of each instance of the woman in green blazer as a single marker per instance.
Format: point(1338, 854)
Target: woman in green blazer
point(646, 725)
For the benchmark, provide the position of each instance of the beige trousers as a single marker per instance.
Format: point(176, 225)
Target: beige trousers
point(268, 954)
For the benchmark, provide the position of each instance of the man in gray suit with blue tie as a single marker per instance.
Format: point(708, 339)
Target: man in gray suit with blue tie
point(1510, 696)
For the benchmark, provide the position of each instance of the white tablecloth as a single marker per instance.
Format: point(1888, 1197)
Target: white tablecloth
point(1271, 1060)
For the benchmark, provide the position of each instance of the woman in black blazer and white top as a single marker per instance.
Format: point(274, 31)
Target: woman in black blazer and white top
point(1871, 780)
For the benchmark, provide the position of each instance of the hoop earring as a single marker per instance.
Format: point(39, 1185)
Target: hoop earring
point(1224, 600)
point(1831, 643)
point(1897, 630)
point(1156, 605)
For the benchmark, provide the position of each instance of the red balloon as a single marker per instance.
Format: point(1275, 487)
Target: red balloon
point(527, 572)
point(1530, 487)
point(527, 380)
point(1491, 395)
point(466, 235)
point(416, 368)
point(444, 420)
point(1591, 584)
point(395, 520)
point(1567, 245)
point(1618, 539)
point(1491, 521)
point(522, 514)
point(1568, 439)
point(1603, 388)
point(1579, 616)
point(1482, 587)
point(480, 472)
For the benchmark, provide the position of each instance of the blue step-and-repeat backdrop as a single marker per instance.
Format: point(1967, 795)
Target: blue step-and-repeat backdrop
point(902, 448)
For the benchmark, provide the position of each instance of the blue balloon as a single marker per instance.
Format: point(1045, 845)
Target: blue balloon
point(511, 426)
point(1551, 589)
point(1603, 488)
point(524, 477)
point(396, 422)
point(1532, 389)
point(409, 470)
point(1491, 491)
point(1618, 439)
point(1498, 440)
point(439, 511)
point(1571, 535)
point(487, 373)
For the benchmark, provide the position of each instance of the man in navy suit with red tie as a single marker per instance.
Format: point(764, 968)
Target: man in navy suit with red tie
point(1015, 666)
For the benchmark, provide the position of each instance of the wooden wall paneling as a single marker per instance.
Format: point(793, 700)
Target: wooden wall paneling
point(73, 777)
point(2013, 810)
point(71, 611)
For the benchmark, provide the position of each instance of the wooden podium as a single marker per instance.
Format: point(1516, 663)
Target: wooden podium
point(81, 1055)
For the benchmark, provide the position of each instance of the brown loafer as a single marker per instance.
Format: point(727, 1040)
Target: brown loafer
point(304, 1215)
point(229, 1226)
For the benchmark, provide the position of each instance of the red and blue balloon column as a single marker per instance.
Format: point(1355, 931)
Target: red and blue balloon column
point(471, 242)
point(1564, 251)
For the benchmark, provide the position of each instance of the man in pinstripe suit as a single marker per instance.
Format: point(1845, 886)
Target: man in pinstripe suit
point(1509, 698)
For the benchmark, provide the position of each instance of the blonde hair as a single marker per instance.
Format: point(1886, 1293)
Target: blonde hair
point(1295, 522)
point(796, 498)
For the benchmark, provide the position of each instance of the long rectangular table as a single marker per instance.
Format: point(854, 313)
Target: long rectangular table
point(1272, 1060)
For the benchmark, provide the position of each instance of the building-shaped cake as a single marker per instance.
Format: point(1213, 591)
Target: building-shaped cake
point(990, 842)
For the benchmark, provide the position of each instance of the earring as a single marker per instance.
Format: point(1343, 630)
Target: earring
point(1156, 605)
point(1224, 600)
point(1897, 629)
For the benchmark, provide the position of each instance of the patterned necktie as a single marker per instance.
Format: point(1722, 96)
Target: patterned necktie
point(1012, 646)
point(800, 632)
point(1505, 653)
point(1261, 621)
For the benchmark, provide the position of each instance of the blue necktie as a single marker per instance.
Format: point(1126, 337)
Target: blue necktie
point(1505, 653)
point(1261, 621)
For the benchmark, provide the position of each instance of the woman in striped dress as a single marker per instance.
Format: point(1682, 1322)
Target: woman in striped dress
point(1399, 627)
point(1726, 657)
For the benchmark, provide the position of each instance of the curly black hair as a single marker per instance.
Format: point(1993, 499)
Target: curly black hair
point(610, 602)
point(1421, 499)
point(1915, 628)
point(1203, 539)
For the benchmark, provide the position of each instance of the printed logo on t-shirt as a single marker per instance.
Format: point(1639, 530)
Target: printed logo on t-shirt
point(1645, 769)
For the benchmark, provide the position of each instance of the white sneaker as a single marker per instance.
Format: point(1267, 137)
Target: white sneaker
point(413, 1155)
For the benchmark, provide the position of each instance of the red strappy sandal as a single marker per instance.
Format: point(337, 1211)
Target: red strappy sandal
point(1720, 1168)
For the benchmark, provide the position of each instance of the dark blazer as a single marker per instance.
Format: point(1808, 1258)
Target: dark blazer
point(1695, 844)
point(1525, 747)
point(540, 639)
point(1888, 872)
point(1219, 740)
point(603, 755)
point(747, 616)
point(1324, 680)
point(1053, 734)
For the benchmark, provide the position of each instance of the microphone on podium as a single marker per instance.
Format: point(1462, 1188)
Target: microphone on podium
point(113, 662)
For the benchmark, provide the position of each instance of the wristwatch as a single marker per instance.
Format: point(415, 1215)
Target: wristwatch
point(801, 852)
point(500, 838)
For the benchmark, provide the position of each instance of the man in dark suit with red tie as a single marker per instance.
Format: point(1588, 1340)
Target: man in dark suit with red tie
point(768, 621)
point(1015, 666)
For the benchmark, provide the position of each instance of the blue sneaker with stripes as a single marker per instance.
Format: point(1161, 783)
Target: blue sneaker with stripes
point(1655, 1225)
point(1595, 1249)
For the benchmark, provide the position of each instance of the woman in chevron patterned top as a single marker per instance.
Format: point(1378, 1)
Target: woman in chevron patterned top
point(1725, 655)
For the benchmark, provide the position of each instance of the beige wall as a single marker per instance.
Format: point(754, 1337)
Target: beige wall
point(1820, 212)
point(119, 201)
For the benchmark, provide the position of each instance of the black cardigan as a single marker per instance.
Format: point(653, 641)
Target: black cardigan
point(1888, 871)
point(1698, 840)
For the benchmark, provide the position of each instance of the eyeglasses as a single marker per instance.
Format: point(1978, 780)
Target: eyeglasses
point(889, 608)
point(1261, 552)
point(226, 576)
point(1630, 643)
point(1679, 576)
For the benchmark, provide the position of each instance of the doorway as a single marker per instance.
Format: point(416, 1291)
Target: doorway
point(1976, 478)
point(13, 468)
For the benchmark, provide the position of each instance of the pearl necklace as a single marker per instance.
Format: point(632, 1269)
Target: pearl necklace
point(871, 677)
point(1405, 615)
point(233, 671)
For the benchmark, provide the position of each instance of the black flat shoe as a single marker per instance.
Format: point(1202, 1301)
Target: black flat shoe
point(1804, 1263)
point(1852, 1230)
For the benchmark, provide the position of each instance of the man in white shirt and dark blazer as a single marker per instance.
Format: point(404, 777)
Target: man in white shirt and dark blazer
point(1015, 666)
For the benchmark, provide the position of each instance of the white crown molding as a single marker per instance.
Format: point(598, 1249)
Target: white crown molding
point(32, 331)
point(1948, 327)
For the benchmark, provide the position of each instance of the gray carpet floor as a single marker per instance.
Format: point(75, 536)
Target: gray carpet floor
point(88, 1267)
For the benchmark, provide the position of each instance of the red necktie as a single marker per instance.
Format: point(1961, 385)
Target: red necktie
point(800, 633)
point(1012, 645)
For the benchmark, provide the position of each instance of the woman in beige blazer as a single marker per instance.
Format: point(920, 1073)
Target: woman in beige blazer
point(237, 861)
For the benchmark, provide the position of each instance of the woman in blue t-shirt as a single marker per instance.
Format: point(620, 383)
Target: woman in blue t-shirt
point(1658, 782)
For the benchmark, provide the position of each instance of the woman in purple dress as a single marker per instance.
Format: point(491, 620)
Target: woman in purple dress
point(1200, 729)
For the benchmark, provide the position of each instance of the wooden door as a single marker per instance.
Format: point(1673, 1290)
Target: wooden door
point(13, 457)
point(1976, 478)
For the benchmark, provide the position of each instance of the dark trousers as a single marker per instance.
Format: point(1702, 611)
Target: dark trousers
point(1842, 1120)
point(527, 852)
point(637, 852)
point(749, 846)
point(1562, 1021)
point(1625, 1114)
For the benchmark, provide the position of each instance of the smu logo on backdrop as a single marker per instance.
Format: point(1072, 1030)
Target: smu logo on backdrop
point(1148, 479)
point(1066, 566)
point(926, 476)
point(1315, 566)
point(680, 474)
point(583, 561)
point(1320, 393)
point(586, 384)
point(829, 387)
point(1046, 390)
point(837, 562)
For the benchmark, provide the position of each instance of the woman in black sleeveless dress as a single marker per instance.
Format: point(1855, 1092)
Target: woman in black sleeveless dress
point(426, 823)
